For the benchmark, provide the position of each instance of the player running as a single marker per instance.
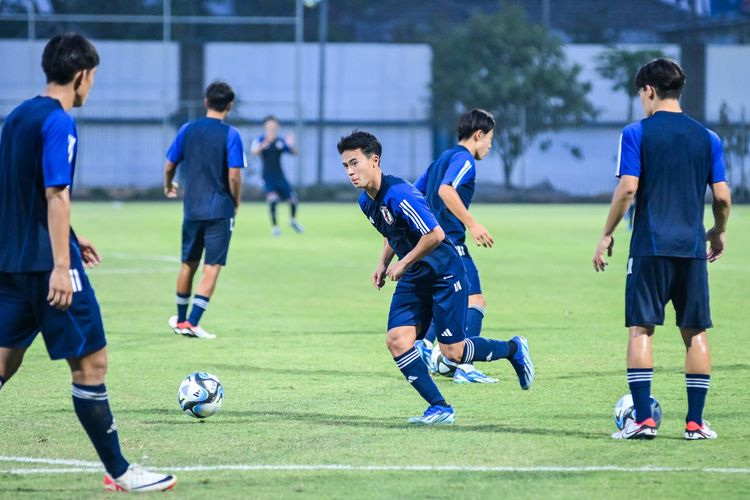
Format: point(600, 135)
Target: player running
point(667, 159)
point(448, 185)
point(43, 284)
point(209, 153)
point(270, 146)
point(431, 278)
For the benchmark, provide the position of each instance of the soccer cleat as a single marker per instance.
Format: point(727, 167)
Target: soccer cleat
point(173, 325)
point(693, 431)
point(275, 231)
point(196, 331)
point(139, 480)
point(635, 430)
point(522, 363)
point(467, 374)
point(424, 347)
point(435, 415)
point(296, 226)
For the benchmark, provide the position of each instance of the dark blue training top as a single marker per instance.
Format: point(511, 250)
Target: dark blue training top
point(205, 149)
point(272, 172)
point(456, 168)
point(675, 158)
point(37, 150)
point(400, 213)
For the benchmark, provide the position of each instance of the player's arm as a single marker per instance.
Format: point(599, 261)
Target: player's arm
point(257, 146)
point(453, 202)
point(236, 161)
point(722, 202)
point(290, 144)
point(426, 244)
point(235, 186)
point(170, 187)
point(386, 256)
point(621, 200)
point(60, 293)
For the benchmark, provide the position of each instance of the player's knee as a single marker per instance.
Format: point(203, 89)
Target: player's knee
point(477, 300)
point(396, 344)
point(91, 369)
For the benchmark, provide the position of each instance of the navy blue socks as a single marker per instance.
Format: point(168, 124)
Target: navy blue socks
point(200, 304)
point(482, 349)
point(431, 333)
point(92, 407)
point(416, 374)
point(474, 317)
point(183, 300)
point(639, 380)
point(697, 389)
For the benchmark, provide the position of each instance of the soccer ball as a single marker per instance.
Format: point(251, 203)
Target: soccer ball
point(442, 365)
point(624, 411)
point(200, 395)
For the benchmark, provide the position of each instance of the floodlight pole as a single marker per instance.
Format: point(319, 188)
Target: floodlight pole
point(298, 40)
point(322, 37)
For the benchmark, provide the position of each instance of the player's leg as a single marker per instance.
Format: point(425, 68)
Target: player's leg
point(272, 199)
point(691, 303)
point(293, 205)
point(477, 303)
point(410, 306)
point(20, 325)
point(10, 361)
point(192, 250)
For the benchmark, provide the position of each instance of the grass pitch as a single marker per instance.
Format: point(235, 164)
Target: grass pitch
point(308, 380)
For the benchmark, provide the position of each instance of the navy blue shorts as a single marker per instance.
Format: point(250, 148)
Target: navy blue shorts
point(25, 312)
point(422, 296)
point(212, 235)
point(472, 273)
point(653, 281)
point(278, 190)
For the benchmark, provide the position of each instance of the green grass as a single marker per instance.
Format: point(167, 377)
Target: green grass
point(308, 379)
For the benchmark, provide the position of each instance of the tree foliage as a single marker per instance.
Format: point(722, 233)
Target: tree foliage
point(516, 70)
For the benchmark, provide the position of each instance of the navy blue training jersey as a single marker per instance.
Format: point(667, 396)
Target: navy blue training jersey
point(272, 172)
point(675, 158)
point(456, 168)
point(37, 150)
point(205, 149)
point(400, 213)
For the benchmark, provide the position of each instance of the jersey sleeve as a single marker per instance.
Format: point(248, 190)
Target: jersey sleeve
point(409, 203)
point(58, 149)
point(235, 154)
point(174, 154)
point(629, 152)
point(460, 170)
point(421, 183)
point(718, 172)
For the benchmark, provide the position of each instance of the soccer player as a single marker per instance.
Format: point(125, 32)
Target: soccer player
point(667, 159)
point(448, 185)
point(431, 277)
point(43, 284)
point(209, 153)
point(270, 146)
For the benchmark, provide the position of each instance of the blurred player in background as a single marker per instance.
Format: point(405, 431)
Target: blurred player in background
point(448, 185)
point(667, 159)
point(43, 284)
point(209, 154)
point(430, 274)
point(270, 146)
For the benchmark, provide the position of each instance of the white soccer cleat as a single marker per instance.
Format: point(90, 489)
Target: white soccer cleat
point(633, 430)
point(138, 480)
point(694, 432)
point(296, 226)
point(197, 331)
point(173, 325)
point(468, 374)
point(275, 231)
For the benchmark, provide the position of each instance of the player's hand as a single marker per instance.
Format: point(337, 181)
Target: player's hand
point(605, 245)
point(378, 276)
point(171, 191)
point(289, 140)
point(396, 271)
point(481, 236)
point(89, 253)
point(716, 242)
point(60, 294)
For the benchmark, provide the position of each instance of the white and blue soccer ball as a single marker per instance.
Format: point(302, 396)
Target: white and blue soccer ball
point(200, 395)
point(625, 410)
point(442, 365)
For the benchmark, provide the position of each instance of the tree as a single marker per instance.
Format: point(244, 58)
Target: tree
point(621, 65)
point(515, 70)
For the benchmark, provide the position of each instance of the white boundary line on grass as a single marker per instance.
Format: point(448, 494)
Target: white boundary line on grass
point(84, 467)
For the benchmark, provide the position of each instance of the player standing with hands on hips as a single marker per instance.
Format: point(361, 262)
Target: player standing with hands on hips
point(666, 161)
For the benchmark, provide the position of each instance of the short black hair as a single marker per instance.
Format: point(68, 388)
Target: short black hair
point(67, 54)
point(359, 139)
point(219, 96)
point(665, 75)
point(270, 118)
point(471, 121)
